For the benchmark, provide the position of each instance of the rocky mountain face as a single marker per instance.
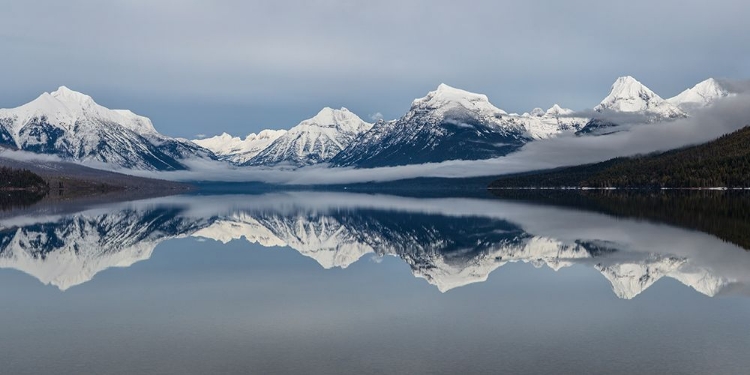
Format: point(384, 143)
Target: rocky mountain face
point(447, 124)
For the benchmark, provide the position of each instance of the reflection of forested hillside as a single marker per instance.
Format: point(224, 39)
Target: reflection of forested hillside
point(19, 199)
point(724, 214)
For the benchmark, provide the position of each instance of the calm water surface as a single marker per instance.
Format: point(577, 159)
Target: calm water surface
point(358, 283)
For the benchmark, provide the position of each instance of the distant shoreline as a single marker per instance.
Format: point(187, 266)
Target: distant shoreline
point(59, 186)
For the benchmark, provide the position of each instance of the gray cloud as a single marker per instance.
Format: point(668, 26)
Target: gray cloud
point(377, 116)
point(736, 86)
point(241, 66)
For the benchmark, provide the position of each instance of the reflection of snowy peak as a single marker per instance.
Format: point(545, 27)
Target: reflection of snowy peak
point(237, 226)
point(321, 238)
point(71, 125)
point(238, 150)
point(442, 250)
point(630, 279)
point(71, 250)
point(448, 274)
point(700, 279)
point(630, 96)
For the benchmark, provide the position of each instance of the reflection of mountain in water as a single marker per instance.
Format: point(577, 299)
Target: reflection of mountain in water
point(72, 249)
point(19, 199)
point(447, 250)
point(724, 214)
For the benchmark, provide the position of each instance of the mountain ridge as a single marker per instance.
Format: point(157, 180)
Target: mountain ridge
point(313, 141)
point(73, 126)
point(447, 124)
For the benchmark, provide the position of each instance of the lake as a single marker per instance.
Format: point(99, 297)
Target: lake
point(334, 282)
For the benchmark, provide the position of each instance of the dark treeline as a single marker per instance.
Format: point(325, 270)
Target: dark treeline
point(724, 214)
point(20, 188)
point(21, 179)
point(19, 199)
point(724, 162)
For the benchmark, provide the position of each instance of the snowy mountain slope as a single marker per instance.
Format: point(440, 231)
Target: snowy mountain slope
point(699, 96)
point(551, 123)
point(238, 150)
point(630, 96)
point(71, 125)
point(447, 124)
point(315, 140)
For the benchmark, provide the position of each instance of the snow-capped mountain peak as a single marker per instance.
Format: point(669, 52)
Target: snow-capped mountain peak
point(556, 110)
point(446, 97)
point(700, 95)
point(67, 95)
point(438, 127)
point(537, 112)
point(73, 126)
point(631, 96)
point(64, 107)
point(315, 140)
point(238, 150)
point(328, 117)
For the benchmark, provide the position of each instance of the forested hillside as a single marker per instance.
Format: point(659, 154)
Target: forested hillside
point(21, 179)
point(724, 162)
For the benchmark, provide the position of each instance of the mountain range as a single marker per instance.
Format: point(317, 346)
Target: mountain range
point(446, 124)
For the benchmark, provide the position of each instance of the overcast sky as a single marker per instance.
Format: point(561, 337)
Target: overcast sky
point(200, 67)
